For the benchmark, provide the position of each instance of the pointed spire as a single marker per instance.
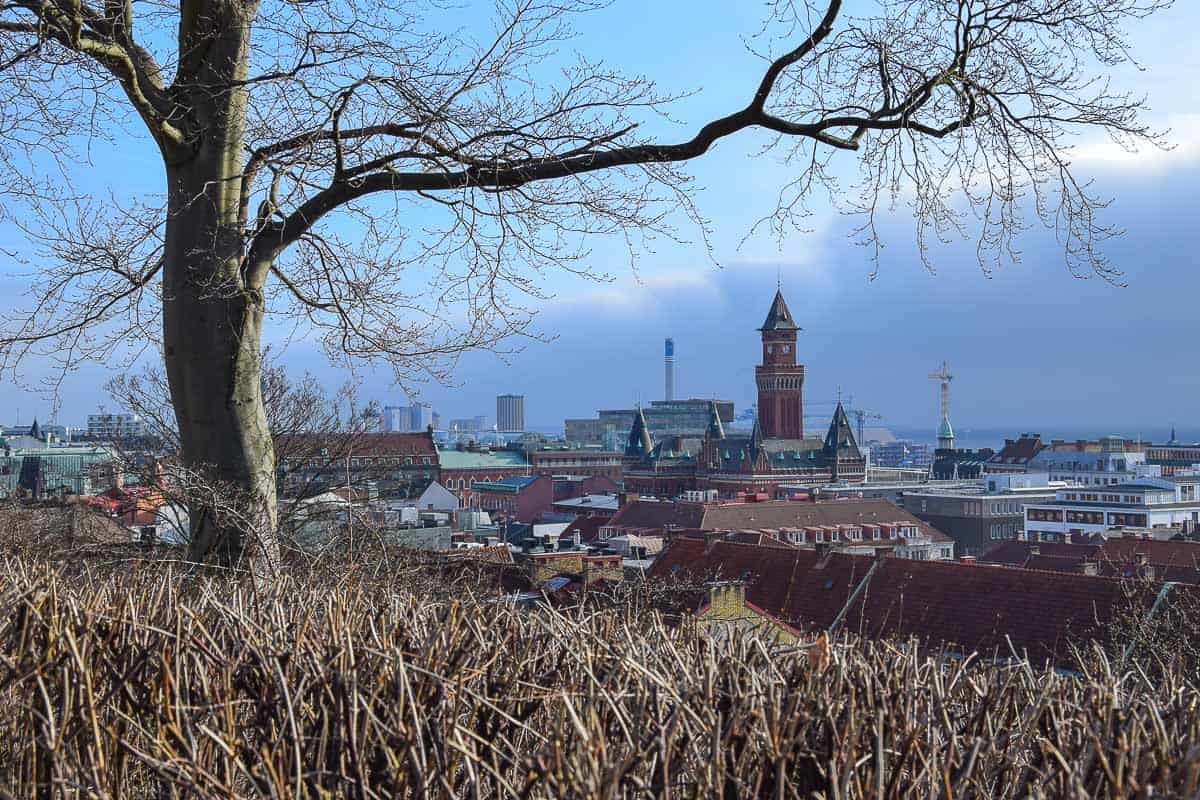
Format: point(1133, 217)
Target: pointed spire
point(716, 430)
point(779, 318)
point(639, 444)
point(756, 441)
point(840, 441)
point(34, 430)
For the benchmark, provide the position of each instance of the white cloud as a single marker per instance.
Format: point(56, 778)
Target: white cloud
point(643, 292)
point(1106, 155)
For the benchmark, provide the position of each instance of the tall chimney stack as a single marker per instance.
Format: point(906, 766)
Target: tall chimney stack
point(669, 350)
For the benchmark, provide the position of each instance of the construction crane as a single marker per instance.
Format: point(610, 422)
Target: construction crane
point(944, 429)
point(861, 418)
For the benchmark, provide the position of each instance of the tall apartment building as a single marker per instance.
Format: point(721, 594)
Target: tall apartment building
point(510, 413)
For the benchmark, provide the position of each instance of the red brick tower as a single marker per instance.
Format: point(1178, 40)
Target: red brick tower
point(780, 379)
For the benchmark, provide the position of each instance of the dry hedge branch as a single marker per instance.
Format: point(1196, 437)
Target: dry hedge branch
point(118, 682)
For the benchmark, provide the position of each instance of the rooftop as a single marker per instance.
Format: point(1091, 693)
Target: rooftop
point(970, 608)
point(481, 459)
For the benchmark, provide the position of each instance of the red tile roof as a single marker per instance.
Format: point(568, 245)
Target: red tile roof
point(587, 526)
point(658, 515)
point(1018, 451)
point(359, 445)
point(1162, 553)
point(964, 606)
point(1118, 556)
point(1015, 553)
point(769, 515)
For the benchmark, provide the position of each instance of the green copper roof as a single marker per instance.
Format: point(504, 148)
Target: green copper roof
point(944, 430)
point(465, 459)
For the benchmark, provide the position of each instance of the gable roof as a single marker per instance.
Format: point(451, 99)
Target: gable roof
point(799, 514)
point(586, 525)
point(965, 607)
point(1116, 557)
point(658, 515)
point(1020, 450)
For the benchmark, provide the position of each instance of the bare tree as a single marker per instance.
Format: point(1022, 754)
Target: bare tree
point(312, 432)
point(475, 163)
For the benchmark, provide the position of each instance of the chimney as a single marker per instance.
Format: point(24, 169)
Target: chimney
point(669, 352)
point(622, 499)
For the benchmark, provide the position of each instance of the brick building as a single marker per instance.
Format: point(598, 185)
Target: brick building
point(577, 461)
point(528, 498)
point(774, 453)
point(399, 464)
point(856, 524)
point(462, 468)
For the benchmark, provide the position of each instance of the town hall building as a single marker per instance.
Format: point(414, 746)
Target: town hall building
point(775, 452)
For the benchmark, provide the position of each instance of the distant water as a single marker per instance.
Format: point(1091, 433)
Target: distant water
point(975, 438)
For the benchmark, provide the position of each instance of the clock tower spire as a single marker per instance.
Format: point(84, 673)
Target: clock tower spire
point(780, 378)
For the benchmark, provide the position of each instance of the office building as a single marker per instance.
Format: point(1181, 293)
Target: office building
point(977, 517)
point(1084, 510)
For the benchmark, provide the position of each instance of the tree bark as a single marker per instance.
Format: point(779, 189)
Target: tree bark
point(212, 313)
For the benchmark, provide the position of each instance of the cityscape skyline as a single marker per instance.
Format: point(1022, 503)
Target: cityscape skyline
point(1028, 330)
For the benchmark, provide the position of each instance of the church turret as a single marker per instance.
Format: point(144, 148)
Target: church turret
point(716, 430)
point(639, 445)
point(840, 444)
point(780, 378)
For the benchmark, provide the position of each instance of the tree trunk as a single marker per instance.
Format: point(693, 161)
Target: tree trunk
point(212, 315)
point(212, 328)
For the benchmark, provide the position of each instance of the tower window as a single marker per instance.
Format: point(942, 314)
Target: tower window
point(770, 348)
point(787, 348)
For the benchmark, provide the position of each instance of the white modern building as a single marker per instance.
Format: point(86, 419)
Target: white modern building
point(114, 427)
point(1109, 467)
point(1146, 503)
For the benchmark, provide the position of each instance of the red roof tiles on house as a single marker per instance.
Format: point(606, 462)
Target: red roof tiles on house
point(963, 606)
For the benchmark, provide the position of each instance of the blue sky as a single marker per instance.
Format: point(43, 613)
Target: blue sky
point(1031, 345)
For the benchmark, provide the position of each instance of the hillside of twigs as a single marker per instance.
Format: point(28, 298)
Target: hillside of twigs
point(123, 677)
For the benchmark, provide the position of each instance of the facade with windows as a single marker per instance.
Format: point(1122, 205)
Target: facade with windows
point(1147, 503)
point(1173, 457)
point(395, 465)
point(1108, 467)
point(114, 427)
point(978, 517)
